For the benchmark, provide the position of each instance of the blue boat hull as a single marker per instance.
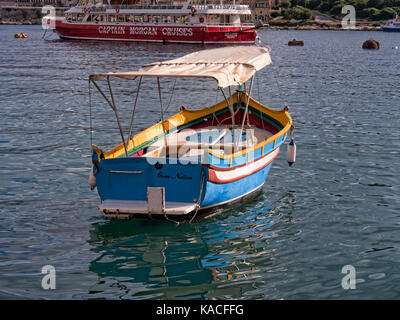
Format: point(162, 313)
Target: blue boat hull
point(388, 29)
point(127, 179)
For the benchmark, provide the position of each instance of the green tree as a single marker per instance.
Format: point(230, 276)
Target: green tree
point(375, 4)
point(387, 13)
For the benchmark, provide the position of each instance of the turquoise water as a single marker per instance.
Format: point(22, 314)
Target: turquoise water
point(338, 205)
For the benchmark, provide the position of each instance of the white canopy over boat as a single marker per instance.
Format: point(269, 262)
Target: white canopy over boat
point(227, 65)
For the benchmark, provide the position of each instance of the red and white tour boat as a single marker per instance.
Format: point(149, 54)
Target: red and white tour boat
point(186, 23)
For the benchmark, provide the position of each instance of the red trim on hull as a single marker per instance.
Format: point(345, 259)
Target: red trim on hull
point(156, 33)
point(212, 176)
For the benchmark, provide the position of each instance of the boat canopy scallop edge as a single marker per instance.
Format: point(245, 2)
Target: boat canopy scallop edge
point(227, 65)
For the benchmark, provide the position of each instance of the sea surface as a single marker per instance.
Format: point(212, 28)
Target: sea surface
point(338, 205)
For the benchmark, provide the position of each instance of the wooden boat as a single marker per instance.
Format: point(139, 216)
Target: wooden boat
point(196, 160)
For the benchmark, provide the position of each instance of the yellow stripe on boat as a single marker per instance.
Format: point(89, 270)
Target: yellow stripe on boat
point(187, 116)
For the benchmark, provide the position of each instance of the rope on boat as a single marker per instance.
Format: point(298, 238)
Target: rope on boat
point(197, 204)
point(116, 115)
point(90, 118)
point(170, 97)
point(199, 199)
point(133, 112)
point(259, 103)
point(215, 108)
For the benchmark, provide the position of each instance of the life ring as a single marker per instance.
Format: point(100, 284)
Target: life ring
point(117, 8)
point(193, 10)
point(201, 20)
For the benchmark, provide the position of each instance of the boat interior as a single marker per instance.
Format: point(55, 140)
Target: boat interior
point(191, 133)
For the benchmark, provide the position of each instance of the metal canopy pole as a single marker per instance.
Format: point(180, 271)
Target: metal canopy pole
point(246, 109)
point(230, 105)
point(232, 111)
point(114, 109)
point(116, 115)
point(162, 114)
point(134, 110)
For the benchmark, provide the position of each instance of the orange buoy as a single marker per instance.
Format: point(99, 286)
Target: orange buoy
point(20, 35)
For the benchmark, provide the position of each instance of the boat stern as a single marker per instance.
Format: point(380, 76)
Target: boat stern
point(147, 186)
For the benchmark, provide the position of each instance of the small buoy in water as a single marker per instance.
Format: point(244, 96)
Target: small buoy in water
point(370, 44)
point(295, 42)
point(92, 180)
point(20, 35)
point(291, 153)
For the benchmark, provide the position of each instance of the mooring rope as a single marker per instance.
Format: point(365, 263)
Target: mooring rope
point(199, 199)
point(90, 118)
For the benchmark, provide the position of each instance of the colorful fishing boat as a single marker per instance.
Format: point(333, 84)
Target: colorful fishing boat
point(196, 160)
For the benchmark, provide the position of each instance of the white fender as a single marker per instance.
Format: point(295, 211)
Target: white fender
point(92, 180)
point(291, 153)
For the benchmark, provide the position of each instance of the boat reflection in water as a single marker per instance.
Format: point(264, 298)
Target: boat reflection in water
point(141, 259)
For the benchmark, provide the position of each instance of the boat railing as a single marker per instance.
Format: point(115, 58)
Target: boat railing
point(223, 7)
point(167, 7)
point(128, 6)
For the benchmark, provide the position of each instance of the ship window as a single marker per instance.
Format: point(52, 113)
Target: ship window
point(121, 18)
point(138, 19)
point(80, 17)
point(130, 18)
point(111, 18)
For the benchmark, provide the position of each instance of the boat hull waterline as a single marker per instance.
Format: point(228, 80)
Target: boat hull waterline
point(157, 33)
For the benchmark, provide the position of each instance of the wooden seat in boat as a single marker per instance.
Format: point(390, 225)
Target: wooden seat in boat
point(181, 144)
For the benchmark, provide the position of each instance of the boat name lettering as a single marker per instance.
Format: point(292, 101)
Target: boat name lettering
point(183, 177)
point(177, 176)
point(111, 29)
point(186, 32)
point(160, 175)
point(152, 31)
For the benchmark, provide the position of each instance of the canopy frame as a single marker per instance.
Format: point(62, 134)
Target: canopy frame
point(228, 66)
point(233, 72)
